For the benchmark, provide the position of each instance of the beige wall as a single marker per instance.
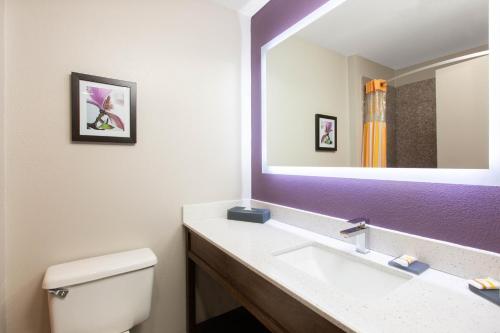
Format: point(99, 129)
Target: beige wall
point(304, 79)
point(360, 68)
point(68, 201)
point(2, 179)
point(462, 115)
point(429, 73)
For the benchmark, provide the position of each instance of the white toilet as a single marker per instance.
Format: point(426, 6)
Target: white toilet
point(107, 294)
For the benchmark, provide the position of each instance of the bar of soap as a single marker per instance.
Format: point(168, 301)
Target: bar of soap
point(405, 260)
point(416, 267)
point(257, 215)
point(485, 283)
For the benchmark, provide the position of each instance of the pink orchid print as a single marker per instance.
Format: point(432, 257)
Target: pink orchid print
point(101, 98)
point(326, 137)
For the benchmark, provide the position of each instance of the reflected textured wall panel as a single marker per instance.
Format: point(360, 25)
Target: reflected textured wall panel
point(391, 110)
point(415, 123)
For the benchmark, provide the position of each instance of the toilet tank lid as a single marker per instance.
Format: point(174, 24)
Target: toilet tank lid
point(91, 269)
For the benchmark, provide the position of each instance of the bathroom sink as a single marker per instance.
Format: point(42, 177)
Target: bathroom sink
point(343, 272)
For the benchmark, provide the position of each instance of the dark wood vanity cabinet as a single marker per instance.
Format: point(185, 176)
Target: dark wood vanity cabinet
point(273, 307)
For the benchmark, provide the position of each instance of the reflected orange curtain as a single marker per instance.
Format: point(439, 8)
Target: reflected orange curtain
point(374, 125)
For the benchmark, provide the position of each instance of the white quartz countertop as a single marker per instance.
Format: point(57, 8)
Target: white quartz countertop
point(431, 302)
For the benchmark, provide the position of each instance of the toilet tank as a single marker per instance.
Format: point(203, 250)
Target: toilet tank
point(106, 294)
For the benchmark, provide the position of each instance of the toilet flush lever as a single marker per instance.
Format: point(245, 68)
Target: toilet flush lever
point(59, 292)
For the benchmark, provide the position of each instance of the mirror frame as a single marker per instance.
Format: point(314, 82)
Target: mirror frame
point(488, 177)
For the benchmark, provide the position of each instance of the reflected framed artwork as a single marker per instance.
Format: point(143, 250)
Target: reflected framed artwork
point(326, 133)
point(103, 109)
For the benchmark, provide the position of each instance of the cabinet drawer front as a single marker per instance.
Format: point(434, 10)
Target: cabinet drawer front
point(291, 314)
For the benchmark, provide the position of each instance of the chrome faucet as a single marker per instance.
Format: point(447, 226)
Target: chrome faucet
point(358, 231)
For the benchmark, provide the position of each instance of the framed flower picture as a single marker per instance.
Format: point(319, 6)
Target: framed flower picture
point(103, 110)
point(326, 133)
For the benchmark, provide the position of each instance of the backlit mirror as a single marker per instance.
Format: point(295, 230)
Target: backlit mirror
point(381, 84)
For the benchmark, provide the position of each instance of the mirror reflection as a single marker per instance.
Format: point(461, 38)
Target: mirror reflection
point(390, 83)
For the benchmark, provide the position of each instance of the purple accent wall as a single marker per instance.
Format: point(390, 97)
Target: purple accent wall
point(467, 215)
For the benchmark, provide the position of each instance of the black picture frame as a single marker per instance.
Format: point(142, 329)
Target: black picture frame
point(76, 112)
point(317, 119)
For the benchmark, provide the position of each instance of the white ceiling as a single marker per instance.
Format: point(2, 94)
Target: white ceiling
point(233, 4)
point(246, 7)
point(401, 33)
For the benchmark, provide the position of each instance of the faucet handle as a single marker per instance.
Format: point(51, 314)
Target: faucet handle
point(359, 231)
point(361, 220)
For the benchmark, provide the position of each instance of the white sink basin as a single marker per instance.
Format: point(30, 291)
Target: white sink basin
point(343, 272)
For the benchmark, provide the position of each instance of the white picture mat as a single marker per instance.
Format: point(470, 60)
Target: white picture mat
point(322, 121)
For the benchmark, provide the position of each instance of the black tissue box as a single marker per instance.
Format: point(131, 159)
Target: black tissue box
point(256, 215)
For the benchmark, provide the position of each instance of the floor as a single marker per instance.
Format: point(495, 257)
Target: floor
point(238, 320)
